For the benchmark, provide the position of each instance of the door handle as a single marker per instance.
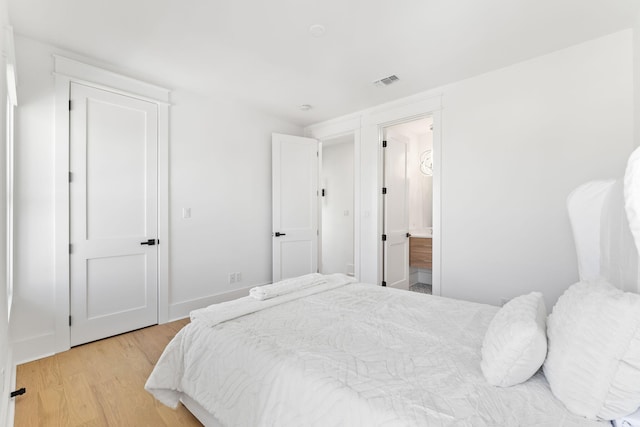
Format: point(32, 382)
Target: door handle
point(408, 234)
point(278, 234)
point(150, 242)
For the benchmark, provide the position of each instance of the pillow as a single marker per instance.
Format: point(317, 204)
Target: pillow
point(593, 365)
point(515, 344)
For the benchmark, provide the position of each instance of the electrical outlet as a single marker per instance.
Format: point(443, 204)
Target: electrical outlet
point(238, 277)
point(232, 278)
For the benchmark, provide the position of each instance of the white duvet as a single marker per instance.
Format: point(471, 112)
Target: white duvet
point(354, 355)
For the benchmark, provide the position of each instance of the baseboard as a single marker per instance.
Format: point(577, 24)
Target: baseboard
point(34, 348)
point(181, 310)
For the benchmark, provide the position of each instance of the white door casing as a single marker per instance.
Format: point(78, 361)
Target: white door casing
point(396, 215)
point(295, 206)
point(113, 209)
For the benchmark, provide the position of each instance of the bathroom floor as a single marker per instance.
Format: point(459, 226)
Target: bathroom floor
point(421, 287)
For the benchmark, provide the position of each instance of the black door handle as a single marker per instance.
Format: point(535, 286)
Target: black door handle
point(150, 242)
point(278, 234)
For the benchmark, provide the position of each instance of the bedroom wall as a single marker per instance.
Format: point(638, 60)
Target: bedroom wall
point(514, 143)
point(220, 167)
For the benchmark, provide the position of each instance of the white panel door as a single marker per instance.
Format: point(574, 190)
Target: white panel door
point(295, 206)
point(396, 215)
point(113, 213)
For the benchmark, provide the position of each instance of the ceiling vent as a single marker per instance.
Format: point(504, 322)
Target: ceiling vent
point(386, 81)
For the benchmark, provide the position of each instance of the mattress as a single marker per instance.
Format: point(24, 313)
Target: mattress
point(356, 355)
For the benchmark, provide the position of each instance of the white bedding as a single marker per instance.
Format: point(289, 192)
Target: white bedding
point(356, 355)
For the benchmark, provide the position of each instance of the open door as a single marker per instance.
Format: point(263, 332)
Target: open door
point(395, 208)
point(295, 206)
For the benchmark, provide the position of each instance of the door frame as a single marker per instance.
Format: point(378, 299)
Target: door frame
point(428, 108)
point(336, 129)
point(355, 135)
point(66, 71)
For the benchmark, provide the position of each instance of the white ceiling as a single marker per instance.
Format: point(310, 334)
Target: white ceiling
point(261, 51)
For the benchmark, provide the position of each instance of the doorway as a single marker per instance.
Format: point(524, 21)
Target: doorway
point(408, 205)
point(337, 203)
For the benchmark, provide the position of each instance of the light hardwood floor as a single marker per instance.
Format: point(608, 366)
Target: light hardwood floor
point(99, 384)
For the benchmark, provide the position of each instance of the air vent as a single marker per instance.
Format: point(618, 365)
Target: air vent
point(386, 81)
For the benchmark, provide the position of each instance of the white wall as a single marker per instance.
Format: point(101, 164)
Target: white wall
point(220, 167)
point(337, 208)
point(515, 142)
point(5, 344)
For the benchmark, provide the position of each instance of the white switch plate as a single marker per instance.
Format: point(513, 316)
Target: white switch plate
point(186, 213)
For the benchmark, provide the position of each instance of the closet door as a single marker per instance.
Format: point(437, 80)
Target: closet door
point(295, 206)
point(113, 213)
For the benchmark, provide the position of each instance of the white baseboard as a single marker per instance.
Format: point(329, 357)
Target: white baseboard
point(180, 310)
point(33, 348)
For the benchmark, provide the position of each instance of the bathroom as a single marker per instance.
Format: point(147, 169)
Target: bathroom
point(416, 137)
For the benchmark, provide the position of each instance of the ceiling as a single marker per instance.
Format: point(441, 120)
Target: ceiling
point(262, 53)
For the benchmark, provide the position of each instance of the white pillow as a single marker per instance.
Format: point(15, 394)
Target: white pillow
point(593, 365)
point(515, 344)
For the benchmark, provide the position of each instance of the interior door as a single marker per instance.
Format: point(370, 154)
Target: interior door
point(396, 214)
point(113, 213)
point(295, 206)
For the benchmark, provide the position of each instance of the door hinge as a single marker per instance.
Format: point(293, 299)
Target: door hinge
point(70, 177)
point(69, 320)
point(384, 144)
point(323, 192)
point(69, 105)
point(384, 237)
point(70, 248)
point(384, 190)
point(384, 283)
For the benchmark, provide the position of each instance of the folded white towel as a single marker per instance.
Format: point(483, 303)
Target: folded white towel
point(286, 286)
point(224, 311)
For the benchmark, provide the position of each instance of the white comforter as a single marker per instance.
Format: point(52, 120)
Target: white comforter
point(355, 355)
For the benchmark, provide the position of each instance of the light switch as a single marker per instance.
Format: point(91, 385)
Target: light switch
point(186, 213)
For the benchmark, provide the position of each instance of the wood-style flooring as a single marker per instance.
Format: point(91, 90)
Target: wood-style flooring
point(99, 384)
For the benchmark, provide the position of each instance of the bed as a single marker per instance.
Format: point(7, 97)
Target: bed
point(329, 351)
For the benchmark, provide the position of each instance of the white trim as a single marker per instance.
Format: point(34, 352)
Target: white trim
point(33, 348)
point(67, 71)
point(61, 237)
point(10, 63)
point(84, 73)
point(334, 128)
point(180, 310)
point(163, 213)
